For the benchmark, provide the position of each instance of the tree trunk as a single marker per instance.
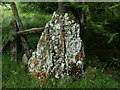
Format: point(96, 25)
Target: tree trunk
point(82, 22)
point(61, 8)
point(20, 27)
point(13, 44)
point(78, 13)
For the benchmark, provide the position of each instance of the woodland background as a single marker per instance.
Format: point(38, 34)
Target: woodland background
point(100, 31)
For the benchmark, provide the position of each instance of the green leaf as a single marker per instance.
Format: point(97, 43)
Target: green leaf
point(114, 6)
point(112, 36)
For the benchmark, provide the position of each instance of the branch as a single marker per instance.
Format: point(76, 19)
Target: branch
point(30, 31)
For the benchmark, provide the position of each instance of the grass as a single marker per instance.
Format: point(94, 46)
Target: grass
point(7, 17)
point(14, 76)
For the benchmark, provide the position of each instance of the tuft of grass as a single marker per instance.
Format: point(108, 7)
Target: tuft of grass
point(14, 75)
point(92, 79)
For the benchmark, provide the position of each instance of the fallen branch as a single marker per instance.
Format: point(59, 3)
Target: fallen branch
point(30, 31)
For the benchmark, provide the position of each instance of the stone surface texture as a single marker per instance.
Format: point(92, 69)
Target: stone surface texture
point(60, 51)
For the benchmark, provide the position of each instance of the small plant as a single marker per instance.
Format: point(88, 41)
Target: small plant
point(114, 61)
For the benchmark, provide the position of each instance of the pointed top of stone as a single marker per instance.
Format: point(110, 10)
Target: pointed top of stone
point(66, 15)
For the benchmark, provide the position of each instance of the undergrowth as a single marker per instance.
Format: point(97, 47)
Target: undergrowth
point(15, 76)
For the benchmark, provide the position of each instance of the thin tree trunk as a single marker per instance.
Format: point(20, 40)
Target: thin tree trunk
point(61, 8)
point(13, 44)
point(20, 27)
point(81, 17)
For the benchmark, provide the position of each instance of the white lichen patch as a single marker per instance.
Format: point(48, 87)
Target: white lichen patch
point(59, 50)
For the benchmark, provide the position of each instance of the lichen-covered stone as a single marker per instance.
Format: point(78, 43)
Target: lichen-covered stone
point(60, 50)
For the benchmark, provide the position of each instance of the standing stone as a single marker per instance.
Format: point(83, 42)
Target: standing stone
point(60, 50)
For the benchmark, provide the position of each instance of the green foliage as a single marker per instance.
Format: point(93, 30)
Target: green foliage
point(32, 41)
point(115, 6)
point(101, 30)
point(7, 17)
point(46, 7)
point(112, 37)
point(14, 75)
point(34, 20)
point(114, 62)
